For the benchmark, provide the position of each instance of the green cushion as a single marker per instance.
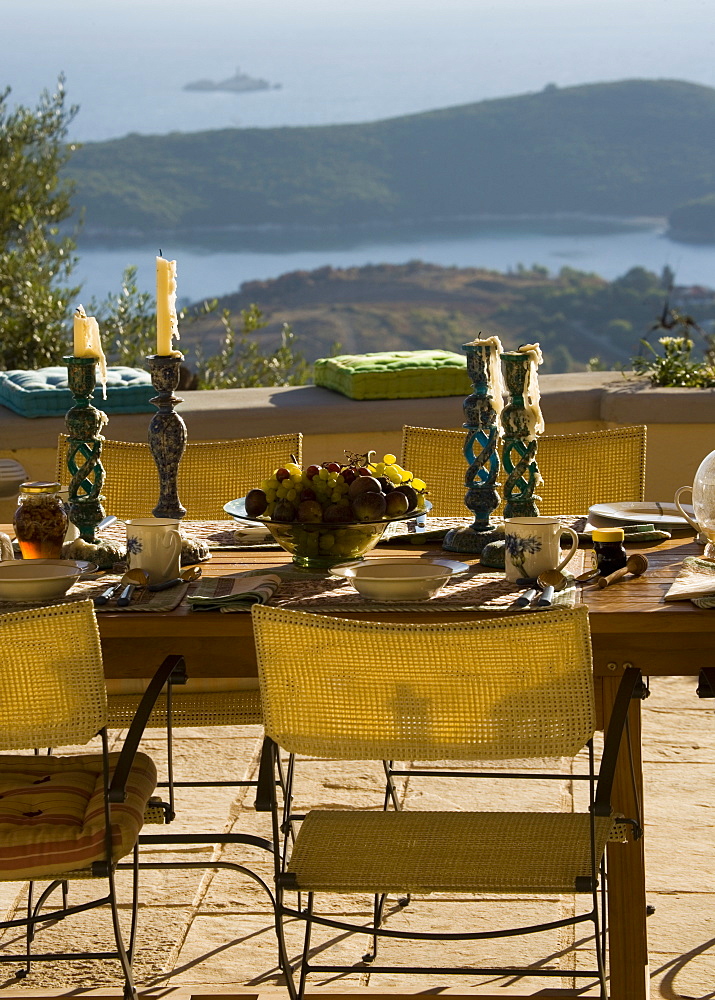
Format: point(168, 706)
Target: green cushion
point(395, 374)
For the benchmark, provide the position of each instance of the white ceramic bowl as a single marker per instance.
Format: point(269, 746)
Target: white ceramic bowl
point(27, 580)
point(399, 579)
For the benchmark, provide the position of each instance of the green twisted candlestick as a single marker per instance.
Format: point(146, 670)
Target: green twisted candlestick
point(520, 443)
point(480, 448)
point(84, 424)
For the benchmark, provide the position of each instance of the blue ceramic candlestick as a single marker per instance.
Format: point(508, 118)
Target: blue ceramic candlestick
point(480, 450)
point(167, 433)
point(520, 444)
point(84, 448)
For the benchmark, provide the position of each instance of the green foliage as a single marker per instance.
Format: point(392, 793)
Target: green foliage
point(596, 148)
point(240, 363)
point(676, 365)
point(694, 221)
point(127, 322)
point(35, 260)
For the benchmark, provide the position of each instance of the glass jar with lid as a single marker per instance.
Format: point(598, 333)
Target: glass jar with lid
point(609, 553)
point(40, 521)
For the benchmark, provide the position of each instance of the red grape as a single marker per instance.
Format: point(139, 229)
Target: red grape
point(282, 474)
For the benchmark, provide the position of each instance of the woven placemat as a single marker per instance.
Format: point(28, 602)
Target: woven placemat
point(142, 600)
point(475, 591)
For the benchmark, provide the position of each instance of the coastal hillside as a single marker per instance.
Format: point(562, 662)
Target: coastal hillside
point(574, 315)
point(637, 147)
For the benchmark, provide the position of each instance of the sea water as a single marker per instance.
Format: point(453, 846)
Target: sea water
point(348, 61)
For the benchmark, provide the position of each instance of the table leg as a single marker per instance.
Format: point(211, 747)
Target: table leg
point(628, 945)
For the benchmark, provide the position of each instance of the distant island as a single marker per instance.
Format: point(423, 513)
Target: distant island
point(594, 149)
point(239, 83)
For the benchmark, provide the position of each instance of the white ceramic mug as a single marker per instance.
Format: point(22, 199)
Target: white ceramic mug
point(531, 546)
point(154, 545)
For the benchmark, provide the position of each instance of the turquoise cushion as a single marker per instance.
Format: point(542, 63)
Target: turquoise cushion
point(44, 393)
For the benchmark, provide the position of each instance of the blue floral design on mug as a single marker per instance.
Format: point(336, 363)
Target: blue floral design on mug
point(134, 545)
point(518, 548)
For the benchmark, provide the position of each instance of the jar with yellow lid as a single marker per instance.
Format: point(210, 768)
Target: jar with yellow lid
point(40, 521)
point(609, 553)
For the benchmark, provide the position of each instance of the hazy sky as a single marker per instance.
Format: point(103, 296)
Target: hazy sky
point(126, 61)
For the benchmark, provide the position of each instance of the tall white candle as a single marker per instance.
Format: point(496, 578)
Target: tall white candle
point(532, 396)
point(167, 326)
point(87, 343)
point(496, 383)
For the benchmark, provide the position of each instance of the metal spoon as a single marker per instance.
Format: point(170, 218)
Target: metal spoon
point(185, 576)
point(551, 581)
point(132, 579)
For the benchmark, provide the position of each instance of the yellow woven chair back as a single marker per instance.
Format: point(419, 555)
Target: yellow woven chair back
point(504, 689)
point(52, 690)
point(210, 474)
point(578, 470)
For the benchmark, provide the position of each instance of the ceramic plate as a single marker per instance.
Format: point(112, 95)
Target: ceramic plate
point(662, 515)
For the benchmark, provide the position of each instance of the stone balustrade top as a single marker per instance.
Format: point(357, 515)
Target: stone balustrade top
point(592, 397)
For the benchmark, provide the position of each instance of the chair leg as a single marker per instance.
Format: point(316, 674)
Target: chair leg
point(135, 903)
point(599, 940)
point(378, 909)
point(29, 933)
point(130, 991)
point(283, 960)
point(306, 946)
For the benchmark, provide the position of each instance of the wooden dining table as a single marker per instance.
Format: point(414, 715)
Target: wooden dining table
point(631, 624)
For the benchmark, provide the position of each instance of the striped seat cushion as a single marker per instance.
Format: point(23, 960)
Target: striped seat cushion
point(52, 813)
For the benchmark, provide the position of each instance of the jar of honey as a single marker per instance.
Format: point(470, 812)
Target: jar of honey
point(40, 521)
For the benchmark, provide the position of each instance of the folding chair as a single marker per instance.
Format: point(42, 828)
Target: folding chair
point(510, 689)
point(74, 816)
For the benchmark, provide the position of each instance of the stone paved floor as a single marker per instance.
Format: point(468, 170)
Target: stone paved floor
point(215, 928)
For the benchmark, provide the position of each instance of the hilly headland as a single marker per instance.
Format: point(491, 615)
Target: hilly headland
point(624, 149)
point(574, 315)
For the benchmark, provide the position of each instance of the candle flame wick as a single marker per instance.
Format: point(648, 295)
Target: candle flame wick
point(160, 253)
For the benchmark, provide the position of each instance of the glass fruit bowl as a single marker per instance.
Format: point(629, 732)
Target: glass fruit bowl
point(321, 545)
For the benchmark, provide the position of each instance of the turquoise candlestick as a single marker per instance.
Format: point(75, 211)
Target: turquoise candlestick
point(519, 447)
point(480, 453)
point(84, 448)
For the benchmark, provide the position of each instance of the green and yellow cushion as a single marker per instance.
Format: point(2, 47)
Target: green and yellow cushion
point(52, 813)
point(395, 374)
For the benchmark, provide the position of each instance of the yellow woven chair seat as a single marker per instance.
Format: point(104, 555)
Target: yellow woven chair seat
point(351, 851)
point(52, 813)
point(204, 708)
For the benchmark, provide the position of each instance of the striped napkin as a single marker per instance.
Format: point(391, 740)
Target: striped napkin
point(695, 582)
point(234, 592)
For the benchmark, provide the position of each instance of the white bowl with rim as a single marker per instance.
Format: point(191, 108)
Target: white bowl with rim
point(399, 579)
point(28, 580)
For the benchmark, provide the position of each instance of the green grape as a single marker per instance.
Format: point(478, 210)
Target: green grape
point(271, 496)
point(281, 493)
point(393, 475)
point(291, 494)
point(323, 474)
point(266, 485)
point(389, 459)
point(418, 485)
